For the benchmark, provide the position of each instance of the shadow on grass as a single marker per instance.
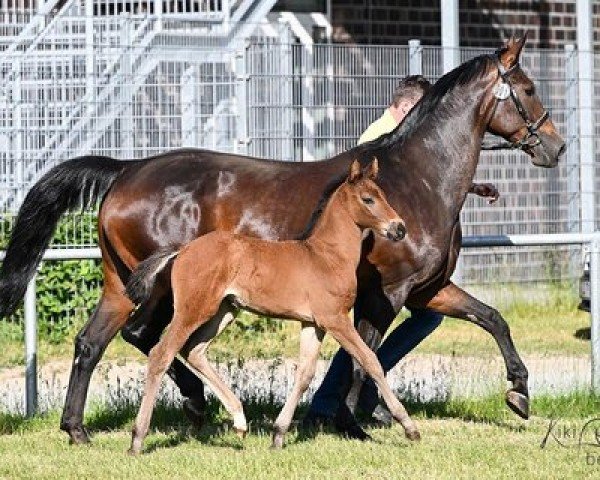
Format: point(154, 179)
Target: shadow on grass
point(583, 333)
point(170, 420)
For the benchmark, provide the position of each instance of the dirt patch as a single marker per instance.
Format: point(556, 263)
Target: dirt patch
point(426, 377)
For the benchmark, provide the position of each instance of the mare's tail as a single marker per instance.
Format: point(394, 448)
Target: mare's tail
point(79, 182)
point(142, 280)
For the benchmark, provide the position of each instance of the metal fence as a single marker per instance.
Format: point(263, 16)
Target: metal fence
point(130, 86)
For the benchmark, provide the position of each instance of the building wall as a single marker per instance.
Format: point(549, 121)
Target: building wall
point(549, 23)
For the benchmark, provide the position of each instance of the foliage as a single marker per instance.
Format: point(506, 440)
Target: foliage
point(66, 291)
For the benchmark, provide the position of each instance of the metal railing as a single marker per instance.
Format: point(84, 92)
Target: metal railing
point(591, 239)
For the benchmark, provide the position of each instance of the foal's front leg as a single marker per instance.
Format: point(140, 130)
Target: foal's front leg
point(311, 337)
point(344, 332)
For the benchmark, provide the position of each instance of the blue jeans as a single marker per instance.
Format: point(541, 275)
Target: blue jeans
point(402, 340)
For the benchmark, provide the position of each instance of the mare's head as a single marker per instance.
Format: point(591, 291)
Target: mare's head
point(519, 115)
point(367, 204)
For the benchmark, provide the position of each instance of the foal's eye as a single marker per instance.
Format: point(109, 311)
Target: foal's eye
point(368, 200)
point(530, 91)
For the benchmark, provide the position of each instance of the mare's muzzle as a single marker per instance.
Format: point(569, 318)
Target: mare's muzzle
point(396, 231)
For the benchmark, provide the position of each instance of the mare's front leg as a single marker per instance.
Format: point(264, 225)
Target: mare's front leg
point(344, 332)
point(455, 302)
point(373, 314)
point(311, 337)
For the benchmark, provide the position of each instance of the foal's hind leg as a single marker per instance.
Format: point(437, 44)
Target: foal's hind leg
point(109, 316)
point(159, 359)
point(310, 344)
point(454, 302)
point(143, 331)
point(345, 333)
point(195, 353)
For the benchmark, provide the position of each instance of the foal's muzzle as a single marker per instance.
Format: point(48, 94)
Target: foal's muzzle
point(396, 231)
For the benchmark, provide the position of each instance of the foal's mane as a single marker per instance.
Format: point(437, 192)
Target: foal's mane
point(331, 187)
point(430, 102)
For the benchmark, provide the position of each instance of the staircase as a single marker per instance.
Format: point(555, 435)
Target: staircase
point(75, 79)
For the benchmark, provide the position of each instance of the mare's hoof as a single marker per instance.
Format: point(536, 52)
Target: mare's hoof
point(518, 403)
point(193, 408)
point(78, 436)
point(413, 435)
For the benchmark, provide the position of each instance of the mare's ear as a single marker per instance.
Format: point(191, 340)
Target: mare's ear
point(355, 173)
point(372, 169)
point(509, 54)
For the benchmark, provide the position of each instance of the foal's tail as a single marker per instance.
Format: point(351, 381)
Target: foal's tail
point(79, 182)
point(143, 278)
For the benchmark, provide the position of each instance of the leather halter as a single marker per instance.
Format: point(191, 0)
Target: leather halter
point(530, 139)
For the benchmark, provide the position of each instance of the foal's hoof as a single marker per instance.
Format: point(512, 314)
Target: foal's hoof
point(518, 403)
point(133, 452)
point(240, 432)
point(413, 435)
point(78, 436)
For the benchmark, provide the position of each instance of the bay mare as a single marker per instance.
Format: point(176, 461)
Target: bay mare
point(426, 165)
point(311, 280)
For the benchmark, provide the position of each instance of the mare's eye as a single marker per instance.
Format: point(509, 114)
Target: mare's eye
point(368, 200)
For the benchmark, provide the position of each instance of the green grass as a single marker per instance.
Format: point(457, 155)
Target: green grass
point(461, 439)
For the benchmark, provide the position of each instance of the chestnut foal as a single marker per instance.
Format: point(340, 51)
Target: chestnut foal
point(311, 280)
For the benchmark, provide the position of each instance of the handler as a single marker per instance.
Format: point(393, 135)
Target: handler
point(409, 333)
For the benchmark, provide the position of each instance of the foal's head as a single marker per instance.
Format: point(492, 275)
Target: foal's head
point(367, 204)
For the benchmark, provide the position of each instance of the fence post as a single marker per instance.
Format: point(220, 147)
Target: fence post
point(90, 76)
point(242, 106)
point(126, 132)
point(572, 154)
point(595, 310)
point(585, 57)
point(30, 350)
point(415, 57)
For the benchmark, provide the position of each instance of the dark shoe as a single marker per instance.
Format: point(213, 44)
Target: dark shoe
point(347, 426)
point(193, 408)
point(316, 421)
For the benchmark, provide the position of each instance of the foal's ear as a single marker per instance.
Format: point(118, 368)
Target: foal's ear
point(355, 173)
point(509, 54)
point(372, 169)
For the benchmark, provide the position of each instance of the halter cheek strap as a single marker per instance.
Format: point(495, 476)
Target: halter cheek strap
point(504, 90)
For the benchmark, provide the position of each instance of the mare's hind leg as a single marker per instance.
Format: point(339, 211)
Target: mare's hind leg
point(143, 332)
point(159, 359)
point(195, 353)
point(454, 302)
point(345, 333)
point(311, 337)
point(109, 316)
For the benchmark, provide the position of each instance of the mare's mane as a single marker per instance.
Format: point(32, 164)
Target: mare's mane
point(430, 102)
point(331, 187)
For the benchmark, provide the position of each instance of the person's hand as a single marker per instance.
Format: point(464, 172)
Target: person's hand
point(488, 190)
